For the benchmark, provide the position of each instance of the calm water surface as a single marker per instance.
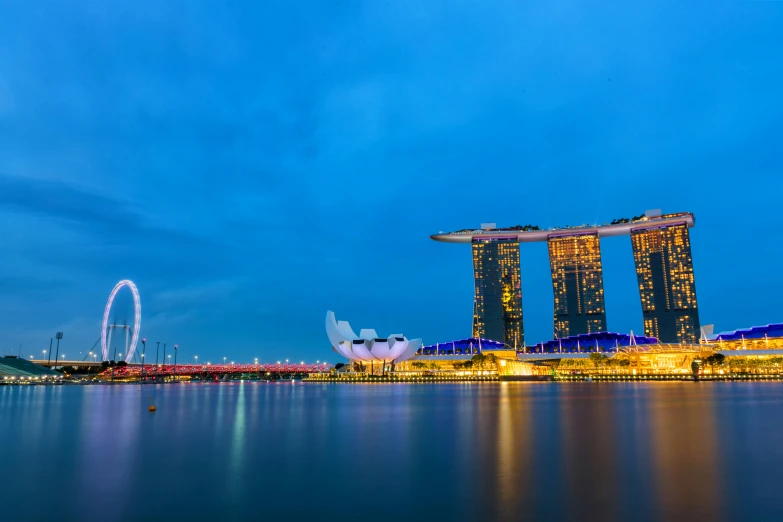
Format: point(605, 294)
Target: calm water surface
point(510, 451)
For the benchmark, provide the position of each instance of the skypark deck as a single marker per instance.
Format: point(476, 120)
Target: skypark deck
point(531, 236)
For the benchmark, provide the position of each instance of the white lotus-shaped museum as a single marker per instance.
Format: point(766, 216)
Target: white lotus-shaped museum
point(367, 346)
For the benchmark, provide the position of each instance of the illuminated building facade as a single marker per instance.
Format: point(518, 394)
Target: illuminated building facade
point(667, 287)
point(497, 303)
point(591, 342)
point(756, 338)
point(577, 284)
point(367, 347)
point(469, 346)
point(664, 267)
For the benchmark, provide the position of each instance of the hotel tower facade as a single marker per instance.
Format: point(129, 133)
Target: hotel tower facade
point(497, 303)
point(664, 269)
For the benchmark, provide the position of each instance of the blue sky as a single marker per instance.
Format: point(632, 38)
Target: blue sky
point(251, 165)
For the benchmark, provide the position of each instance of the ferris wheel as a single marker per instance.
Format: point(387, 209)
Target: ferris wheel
point(131, 331)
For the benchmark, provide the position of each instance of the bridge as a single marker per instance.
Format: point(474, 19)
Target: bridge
point(207, 370)
point(51, 364)
point(211, 371)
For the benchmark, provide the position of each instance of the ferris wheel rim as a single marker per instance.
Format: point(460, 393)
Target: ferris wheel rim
point(136, 322)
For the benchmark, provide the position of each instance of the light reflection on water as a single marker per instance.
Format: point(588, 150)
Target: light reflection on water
point(507, 451)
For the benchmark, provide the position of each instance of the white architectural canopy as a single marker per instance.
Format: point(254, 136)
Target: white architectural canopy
point(367, 346)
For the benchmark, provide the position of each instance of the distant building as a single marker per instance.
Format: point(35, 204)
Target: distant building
point(577, 284)
point(667, 287)
point(756, 338)
point(591, 343)
point(497, 303)
point(367, 348)
point(470, 346)
point(664, 267)
point(15, 369)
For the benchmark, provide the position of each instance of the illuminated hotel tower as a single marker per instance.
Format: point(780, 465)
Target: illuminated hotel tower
point(578, 284)
point(664, 269)
point(497, 304)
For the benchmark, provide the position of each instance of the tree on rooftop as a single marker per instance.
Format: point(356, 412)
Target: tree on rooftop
point(715, 359)
point(598, 359)
point(479, 360)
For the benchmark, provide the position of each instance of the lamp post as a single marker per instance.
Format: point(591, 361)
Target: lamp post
point(157, 349)
point(175, 358)
point(114, 360)
point(143, 351)
point(58, 337)
point(164, 354)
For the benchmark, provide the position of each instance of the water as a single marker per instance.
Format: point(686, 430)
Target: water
point(508, 451)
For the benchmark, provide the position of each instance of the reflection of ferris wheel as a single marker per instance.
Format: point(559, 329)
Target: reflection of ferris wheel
point(131, 333)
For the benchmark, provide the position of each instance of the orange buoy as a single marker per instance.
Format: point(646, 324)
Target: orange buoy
point(152, 406)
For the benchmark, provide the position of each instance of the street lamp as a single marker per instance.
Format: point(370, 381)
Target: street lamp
point(143, 351)
point(157, 349)
point(58, 337)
